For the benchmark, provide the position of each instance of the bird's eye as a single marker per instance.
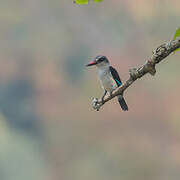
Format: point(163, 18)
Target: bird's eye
point(102, 59)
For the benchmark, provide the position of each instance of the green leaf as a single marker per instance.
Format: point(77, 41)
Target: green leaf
point(176, 34)
point(96, 1)
point(86, 1)
point(81, 1)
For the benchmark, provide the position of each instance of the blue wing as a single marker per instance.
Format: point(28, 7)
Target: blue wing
point(115, 76)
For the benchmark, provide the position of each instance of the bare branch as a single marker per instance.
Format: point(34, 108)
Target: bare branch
point(158, 55)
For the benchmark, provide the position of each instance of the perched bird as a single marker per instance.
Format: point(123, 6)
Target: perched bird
point(109, 78)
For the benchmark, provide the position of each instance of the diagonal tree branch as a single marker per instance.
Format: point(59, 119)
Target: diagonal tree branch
point(158, 55)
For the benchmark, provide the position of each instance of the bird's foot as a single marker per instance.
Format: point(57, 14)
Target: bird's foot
point(110, 94)
point(102, 100)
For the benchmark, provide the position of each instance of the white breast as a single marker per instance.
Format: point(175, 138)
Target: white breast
point(106, 79)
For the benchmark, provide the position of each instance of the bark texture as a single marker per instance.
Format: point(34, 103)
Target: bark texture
point(159, 54)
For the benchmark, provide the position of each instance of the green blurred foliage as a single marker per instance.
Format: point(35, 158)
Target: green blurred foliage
point(81, 1)
point(176, 34)
point(96, 1)
point(86, 1)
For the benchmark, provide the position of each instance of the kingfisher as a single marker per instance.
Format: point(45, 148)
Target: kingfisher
point(109, 78)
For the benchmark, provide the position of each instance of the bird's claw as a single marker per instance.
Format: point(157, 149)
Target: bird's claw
point(102, 100)
point(110, 94)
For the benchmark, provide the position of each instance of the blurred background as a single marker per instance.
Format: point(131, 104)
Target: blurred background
point(48, 129)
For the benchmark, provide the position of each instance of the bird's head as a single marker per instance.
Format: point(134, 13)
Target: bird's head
point(99, 61)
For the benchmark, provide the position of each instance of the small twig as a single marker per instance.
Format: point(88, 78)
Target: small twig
point(158, 55)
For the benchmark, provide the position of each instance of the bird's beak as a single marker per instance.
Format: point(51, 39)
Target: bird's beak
point(92, 63)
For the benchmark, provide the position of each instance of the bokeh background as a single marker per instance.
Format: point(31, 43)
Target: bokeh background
point(48, 129)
